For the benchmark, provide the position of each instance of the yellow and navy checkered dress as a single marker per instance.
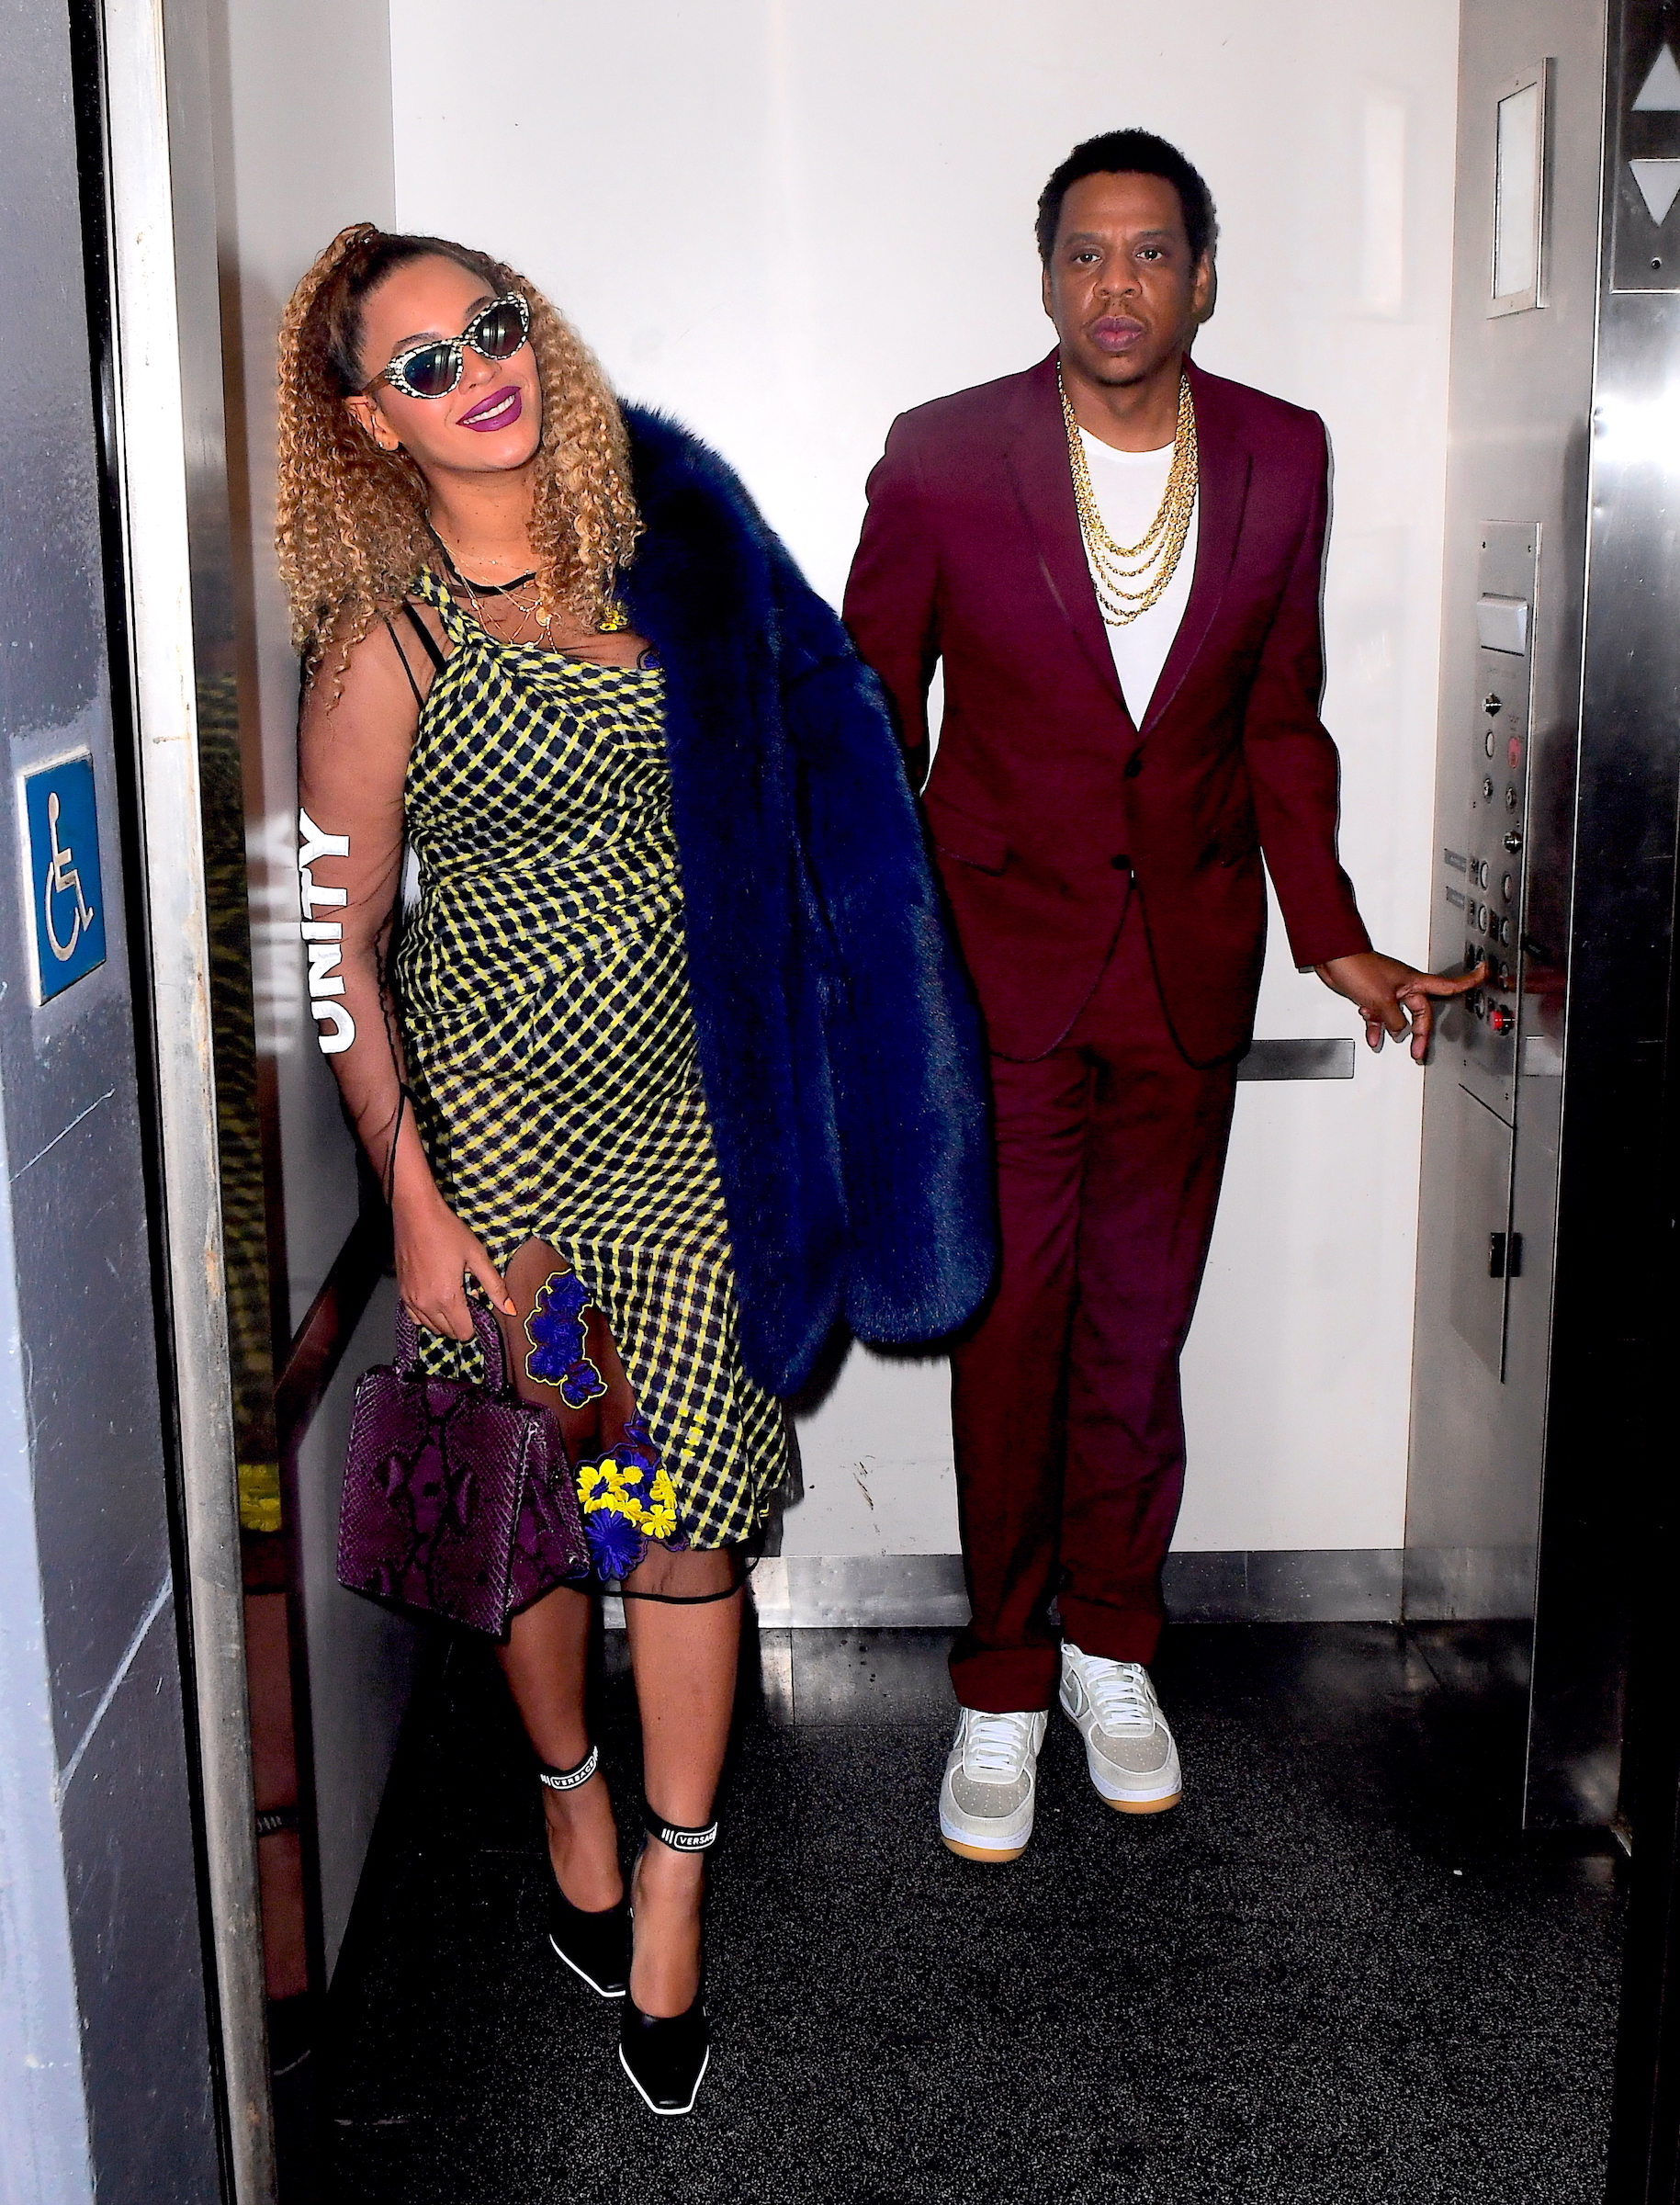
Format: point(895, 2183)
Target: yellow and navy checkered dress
point(543, 985)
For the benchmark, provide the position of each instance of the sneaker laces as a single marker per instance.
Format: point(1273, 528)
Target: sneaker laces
point(1120, 1693)
point(996, 1745)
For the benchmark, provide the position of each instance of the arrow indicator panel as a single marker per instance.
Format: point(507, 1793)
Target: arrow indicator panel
point(1660, 93)
point(1659, 183)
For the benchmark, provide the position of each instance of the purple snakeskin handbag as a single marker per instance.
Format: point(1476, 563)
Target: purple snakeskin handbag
point(457, 1499)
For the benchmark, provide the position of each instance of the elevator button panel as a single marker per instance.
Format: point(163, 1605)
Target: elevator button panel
point(1501, 625)
point(1482, 874)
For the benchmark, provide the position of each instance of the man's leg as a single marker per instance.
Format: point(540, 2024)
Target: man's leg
point(1008, 1382)
point(1155, 1156)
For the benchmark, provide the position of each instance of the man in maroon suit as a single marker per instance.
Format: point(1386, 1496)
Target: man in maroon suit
point(1117, 558)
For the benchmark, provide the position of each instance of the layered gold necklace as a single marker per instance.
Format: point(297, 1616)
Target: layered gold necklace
point(532, 617)
point(1130, 578)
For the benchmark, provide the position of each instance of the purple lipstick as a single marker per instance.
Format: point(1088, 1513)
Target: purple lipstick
point(500, 409)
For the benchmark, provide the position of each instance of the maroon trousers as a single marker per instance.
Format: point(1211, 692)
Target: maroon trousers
point(1068, 1423)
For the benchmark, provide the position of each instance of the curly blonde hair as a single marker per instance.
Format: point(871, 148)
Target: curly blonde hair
point(351, 528)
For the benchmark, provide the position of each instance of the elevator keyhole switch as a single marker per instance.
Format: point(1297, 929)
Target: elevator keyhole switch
point(1504, 1255)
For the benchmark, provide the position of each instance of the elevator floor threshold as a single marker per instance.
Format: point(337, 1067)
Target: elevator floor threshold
point(1337, 1973)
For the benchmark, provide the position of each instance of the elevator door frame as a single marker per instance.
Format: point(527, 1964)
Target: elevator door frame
point(162, 439)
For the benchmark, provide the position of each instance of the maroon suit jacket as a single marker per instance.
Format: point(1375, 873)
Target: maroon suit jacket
point(1046, 806)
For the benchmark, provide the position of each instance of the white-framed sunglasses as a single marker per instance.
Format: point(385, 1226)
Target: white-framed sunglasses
point(432, 369)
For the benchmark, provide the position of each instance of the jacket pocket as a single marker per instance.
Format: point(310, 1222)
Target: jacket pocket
point(971, 842)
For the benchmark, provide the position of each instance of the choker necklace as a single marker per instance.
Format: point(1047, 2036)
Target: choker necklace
point(1153, 561)
point(496, 589)
point(531, 610)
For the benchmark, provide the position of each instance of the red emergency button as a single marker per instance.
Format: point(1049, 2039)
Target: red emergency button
point(1500, 1019)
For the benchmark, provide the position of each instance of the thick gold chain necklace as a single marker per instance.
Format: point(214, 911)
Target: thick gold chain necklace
point(1150, 563)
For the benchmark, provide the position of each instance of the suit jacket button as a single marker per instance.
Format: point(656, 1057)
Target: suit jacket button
point(1121, 864)
point(1134, 767)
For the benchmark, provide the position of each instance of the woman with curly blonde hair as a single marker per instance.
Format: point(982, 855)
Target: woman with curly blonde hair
point(673, 1065)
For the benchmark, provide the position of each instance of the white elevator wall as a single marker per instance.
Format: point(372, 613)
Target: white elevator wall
point(786, 224)
point(304, 148)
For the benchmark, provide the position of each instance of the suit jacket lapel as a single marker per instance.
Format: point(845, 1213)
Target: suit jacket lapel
point(1038, 459)
point(1221, 493)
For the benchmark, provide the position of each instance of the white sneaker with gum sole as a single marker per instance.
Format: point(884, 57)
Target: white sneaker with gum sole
point(991, 1784)
point(1128, 1748)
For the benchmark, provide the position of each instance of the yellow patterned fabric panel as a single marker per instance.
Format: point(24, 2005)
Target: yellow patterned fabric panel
point(544, 991)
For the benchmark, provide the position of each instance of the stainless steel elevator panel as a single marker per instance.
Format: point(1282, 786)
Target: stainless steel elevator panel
point(1483, 882)
point(1482, 1231)
point(1559, 771)
point(1484, 874)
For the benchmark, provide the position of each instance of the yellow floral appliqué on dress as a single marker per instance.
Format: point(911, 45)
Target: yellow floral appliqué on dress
point(627, 1497)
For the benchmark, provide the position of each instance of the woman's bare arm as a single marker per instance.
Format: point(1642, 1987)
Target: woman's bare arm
point(353, 753)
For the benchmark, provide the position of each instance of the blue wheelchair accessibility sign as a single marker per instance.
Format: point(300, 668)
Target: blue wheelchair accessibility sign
point(66, 898)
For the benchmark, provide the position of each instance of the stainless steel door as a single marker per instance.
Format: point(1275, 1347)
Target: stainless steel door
point(1559, 772)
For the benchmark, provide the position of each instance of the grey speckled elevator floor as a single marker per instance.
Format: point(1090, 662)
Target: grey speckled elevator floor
point(1336, 1973)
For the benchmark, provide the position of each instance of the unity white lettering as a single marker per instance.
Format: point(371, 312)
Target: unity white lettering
point(324, 937)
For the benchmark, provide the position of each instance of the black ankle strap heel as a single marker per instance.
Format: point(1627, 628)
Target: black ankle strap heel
point(594, 1946)
point(674, 1834)
point(567, 1780)
point(666, 2056)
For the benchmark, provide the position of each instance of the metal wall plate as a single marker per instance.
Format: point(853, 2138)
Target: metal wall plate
point(1644, 169)
point(1297, 1060)
point(1522, 131)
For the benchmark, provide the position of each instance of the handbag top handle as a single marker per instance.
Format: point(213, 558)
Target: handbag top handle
point(488, 1335)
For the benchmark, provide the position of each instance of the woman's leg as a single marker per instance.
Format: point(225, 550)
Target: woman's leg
point(543, 1662)
point(546, 1657)
point(683, 1650)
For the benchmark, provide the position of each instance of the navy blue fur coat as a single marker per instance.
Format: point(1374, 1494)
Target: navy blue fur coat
point(840, 1051)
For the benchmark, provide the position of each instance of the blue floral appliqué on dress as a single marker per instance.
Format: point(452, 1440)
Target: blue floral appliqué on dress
point(628, 1498)
point(556, 1331)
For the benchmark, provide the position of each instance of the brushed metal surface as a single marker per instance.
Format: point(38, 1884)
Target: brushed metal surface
point(1563, 452)
point(907, 1592)
point(1311, 1059)
point(1608, 1317)
point(162, 186)
point(1520, 400)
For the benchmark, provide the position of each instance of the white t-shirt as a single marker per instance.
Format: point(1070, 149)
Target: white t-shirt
point(1128, 487)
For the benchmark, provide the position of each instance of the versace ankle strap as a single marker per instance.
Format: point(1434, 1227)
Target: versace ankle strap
point(567, 1780)
point(673, 1835)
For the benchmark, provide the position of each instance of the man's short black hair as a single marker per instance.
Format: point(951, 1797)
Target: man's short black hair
point(1136, 153)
